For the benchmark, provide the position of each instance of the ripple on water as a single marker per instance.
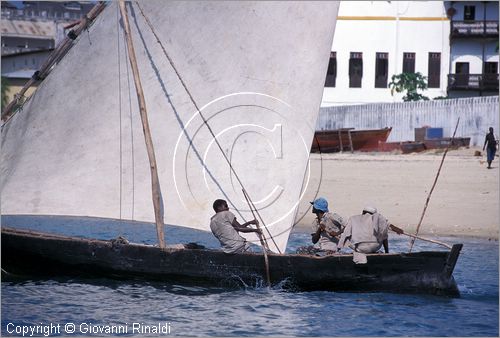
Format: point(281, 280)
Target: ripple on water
point(239, 309)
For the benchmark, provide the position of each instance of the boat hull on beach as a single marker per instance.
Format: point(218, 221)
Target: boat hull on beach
point(328, 141)
point(48, 254)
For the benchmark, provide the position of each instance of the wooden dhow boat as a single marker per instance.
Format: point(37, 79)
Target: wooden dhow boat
point(47, 254)
point(159, 108)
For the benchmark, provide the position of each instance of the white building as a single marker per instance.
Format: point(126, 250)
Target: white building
point(474, 48)
point(377, 39)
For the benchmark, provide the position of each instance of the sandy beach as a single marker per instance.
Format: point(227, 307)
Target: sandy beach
point(465, 200)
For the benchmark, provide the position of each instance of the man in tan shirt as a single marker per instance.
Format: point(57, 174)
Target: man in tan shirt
point(225, 228)
point(328, 226)
point(366, 233)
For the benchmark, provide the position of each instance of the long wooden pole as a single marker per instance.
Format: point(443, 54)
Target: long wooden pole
point(155, 182)
point(433, 185)
point(400, 231)
point(263, 243)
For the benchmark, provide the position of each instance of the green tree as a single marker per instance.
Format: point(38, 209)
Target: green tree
point(409, 83)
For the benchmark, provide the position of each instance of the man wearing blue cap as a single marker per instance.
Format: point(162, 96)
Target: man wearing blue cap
point(328, 226)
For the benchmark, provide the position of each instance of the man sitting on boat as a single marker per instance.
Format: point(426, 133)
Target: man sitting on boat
point(328, 227)
point(225, 228)
point(366, 233)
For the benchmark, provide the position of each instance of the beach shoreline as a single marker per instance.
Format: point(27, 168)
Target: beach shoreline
point(464, 202)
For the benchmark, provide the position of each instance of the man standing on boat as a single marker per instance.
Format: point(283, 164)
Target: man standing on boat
point(492, 147)
point(366, 233)
point(328, 226)
point(225, 228)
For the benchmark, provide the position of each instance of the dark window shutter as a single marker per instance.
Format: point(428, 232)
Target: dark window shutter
point(434, 70)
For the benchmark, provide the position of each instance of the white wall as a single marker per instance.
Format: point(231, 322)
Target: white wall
point(392, 27)
point(467, 51)
point(476, 115)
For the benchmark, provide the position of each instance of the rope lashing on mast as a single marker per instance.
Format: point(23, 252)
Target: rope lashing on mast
point(203, 119)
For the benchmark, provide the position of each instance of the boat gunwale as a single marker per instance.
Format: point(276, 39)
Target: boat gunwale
point(52, 236)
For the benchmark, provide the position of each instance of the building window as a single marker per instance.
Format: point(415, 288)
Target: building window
point(381, 69)
point(469, 12)
point(408, 62)
point(490, 76)
point(491, 67)
point(355, 70)
point(434, 70)
point(331, 74)
point(462, 73)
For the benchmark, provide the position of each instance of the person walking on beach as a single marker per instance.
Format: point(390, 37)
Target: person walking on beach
point(492, 147)
point(366, 233)
point(225, 228)
point(328, 226)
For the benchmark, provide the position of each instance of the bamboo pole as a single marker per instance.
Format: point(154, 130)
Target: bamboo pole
point(263, 242)
point(433, 185)
point(155, 182)
point(400, 231)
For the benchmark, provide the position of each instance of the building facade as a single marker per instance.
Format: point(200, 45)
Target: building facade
point(30, 32)
point(37, 25)
point(375, 40)
point(473, 48)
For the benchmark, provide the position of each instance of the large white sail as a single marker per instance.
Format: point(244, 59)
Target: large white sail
point(256, 70)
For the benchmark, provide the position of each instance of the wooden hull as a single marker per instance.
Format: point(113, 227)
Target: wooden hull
point(39, 253)
point(419, 146)
point(341, 139)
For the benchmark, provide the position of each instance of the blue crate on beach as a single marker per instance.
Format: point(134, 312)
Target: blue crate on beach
point(433, 133)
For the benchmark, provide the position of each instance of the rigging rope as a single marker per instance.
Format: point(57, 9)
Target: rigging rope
point(204, 120)
point(433, 185)
point(263, 242)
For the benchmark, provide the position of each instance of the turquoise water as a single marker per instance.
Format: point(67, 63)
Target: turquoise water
point(247, 310)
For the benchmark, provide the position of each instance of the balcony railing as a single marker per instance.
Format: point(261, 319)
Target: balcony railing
point(481, 82)
point(461, 29)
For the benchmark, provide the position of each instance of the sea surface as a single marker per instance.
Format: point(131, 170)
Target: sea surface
point(91, 307)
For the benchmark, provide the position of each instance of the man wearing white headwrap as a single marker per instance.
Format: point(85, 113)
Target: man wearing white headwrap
point(366, 233)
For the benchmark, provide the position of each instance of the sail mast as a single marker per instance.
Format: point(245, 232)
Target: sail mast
point(155, 182)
